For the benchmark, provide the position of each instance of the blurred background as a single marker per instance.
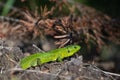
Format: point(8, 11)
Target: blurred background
point(96, 15)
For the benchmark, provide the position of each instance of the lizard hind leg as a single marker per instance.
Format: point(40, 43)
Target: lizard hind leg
point(38, 61)
point(59, 59)
point(35, 62)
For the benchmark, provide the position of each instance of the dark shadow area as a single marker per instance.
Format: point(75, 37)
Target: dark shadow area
point(110, 7)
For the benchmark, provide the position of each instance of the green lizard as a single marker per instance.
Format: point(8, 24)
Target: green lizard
point(44, 57)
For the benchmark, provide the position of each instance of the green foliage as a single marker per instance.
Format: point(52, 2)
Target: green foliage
point(7, 7)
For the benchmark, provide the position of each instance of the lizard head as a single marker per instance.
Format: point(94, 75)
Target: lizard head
point(72, 49)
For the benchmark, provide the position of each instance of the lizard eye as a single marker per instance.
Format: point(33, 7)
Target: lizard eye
point(75, 47)
point(68, 51)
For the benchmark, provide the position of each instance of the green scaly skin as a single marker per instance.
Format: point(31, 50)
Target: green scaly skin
point(53, 55)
